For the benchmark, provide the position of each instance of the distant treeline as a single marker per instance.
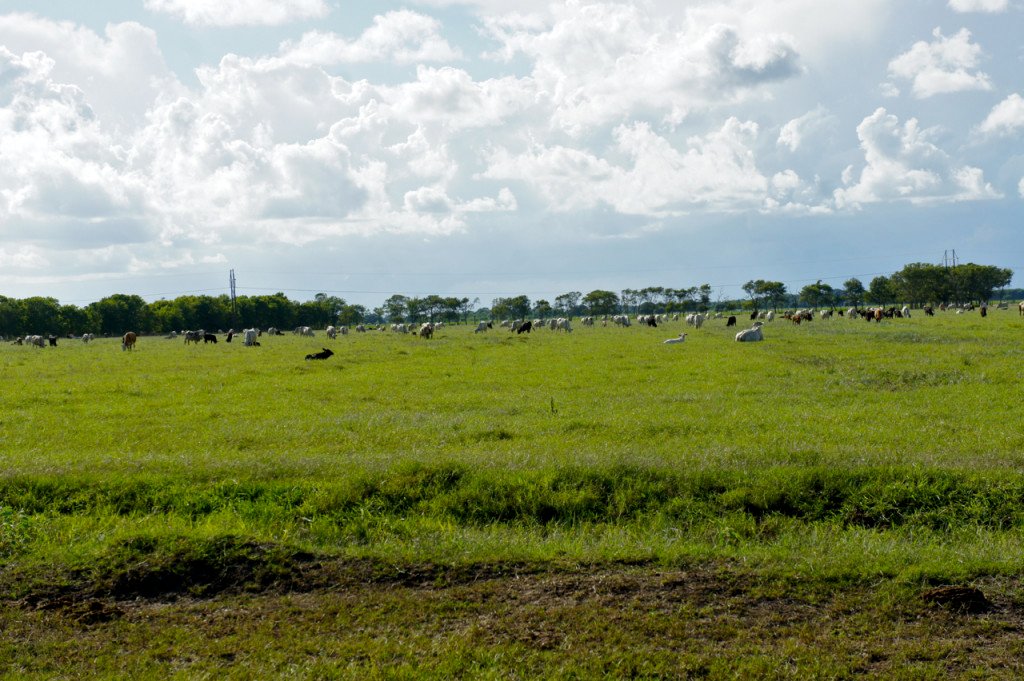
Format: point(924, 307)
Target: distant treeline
point(915, 284)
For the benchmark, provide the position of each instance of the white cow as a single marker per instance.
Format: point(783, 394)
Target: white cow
point(680, 339)
point(86, 337)
point(562, 324)
point(332, 332)
point(905, 311)
point(750, 335)
point(249, 336)
point(483, 326)
point(770, 315)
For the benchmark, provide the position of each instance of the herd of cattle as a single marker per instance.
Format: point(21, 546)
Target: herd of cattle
point(519, 326)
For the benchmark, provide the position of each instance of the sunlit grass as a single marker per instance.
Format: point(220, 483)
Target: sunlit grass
point(603, 444)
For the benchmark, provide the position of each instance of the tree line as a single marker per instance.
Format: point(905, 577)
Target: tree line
point(916, 284)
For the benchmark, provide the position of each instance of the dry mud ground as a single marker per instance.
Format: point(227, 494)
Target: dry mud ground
point(347, 619)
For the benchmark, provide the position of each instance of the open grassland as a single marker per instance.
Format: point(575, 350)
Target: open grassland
point(584, 504)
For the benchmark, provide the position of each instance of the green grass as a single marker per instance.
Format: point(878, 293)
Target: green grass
point(873, 459)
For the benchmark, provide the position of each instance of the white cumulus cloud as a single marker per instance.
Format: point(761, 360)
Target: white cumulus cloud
point(403, 37)
point(947, 64)
point(716, 171)
point(121, 73)
point(989, 6)
point(902, 164)
point(793, 133)
point(240, 12)
point(1006, 117)
point(600, 62)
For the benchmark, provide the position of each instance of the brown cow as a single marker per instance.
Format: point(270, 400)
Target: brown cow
point(128, 342)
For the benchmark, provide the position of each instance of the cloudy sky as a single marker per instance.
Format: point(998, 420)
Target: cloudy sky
point(485, 148)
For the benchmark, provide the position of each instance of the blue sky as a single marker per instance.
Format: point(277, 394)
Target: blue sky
point(485, 148)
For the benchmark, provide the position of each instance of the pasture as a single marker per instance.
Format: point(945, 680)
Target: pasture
point(484, 504)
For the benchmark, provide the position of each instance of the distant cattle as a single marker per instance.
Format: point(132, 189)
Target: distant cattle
point(332, 332)
point(731, 321)
point(680, 339)
point(426, 330)
point(525, 327)
point(86, 337)
point(53, 340)
point(249, 336)
point(128, 341)
point(752, 334)
point(320, 355)
point(483, 326)
point(193, 337)
point(209, 338)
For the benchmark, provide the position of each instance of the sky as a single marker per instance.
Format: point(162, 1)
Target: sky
point(491, 148)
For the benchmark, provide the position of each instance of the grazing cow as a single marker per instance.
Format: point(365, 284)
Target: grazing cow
point(231, 334)
point(320, 355)
point(332, 332)
point(928, 311)
point(249, 338)
point(680, 339)
point(361, 329)
point(53, 340)
point(86, 337)
point(209, 338)
point(343, 330)
point(128, 341)
point(525, 327)
point(753, 315)
point(905, 311)
point(984, 313)
point(273, 331)
point(426, 330)
point(37, 341)
point(770, 315)
point(483, 326)
point(1020, 308)
point(193, 337)
point(731, 321)
point(877, 315)
point(562, 324)
point(750, 335)
point(306, 331)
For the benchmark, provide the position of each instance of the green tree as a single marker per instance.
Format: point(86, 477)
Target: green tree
point(396, 307)
point(567, 303)
point(817, 294)
point(542, 309)
point(517, 307)
point(881, 291)
point(977, 282)
point(853, 291)
point(40, 315)
point(119, 313)
point(600, 302)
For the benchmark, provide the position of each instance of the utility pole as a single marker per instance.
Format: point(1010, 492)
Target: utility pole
point(234, 311)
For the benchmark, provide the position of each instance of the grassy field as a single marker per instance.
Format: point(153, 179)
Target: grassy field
point(502, 506)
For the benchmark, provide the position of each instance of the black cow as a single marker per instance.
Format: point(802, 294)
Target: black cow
point(525, 327)
point(731, 321)
point(53, 340)
point(320, 355)
point(209, 338)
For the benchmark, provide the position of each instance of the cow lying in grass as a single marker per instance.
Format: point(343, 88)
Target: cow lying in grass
point(320, 355)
